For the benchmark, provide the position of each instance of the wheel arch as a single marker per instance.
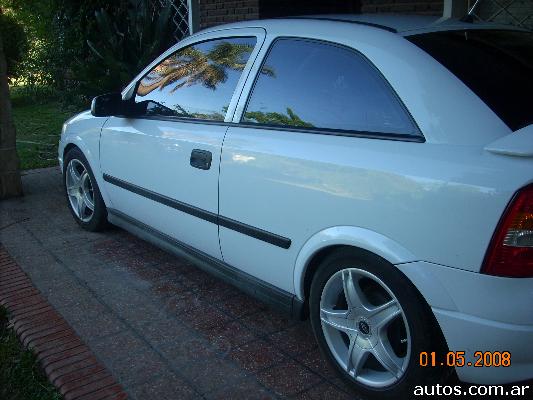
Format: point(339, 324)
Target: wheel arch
point(77, 142)
point(69, 147)
point(321, 244)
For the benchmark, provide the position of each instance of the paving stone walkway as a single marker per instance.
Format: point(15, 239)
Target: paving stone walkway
point(67, 362)
point(163, 328)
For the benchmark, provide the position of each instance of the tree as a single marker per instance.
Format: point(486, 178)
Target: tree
point(15, 43)
point(10, 183)
point(275, 118)
point(125, 42)
point(191, 66)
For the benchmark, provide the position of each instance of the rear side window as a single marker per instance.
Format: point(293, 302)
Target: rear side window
point(310, 84)
point(497, 65)
point(197, 81)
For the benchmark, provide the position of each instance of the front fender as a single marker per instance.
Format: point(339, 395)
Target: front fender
point(83, 131)
point(349, 236)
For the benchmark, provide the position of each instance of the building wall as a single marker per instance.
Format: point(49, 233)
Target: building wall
point(282, 8)
point(428, 7)
point(216, 12)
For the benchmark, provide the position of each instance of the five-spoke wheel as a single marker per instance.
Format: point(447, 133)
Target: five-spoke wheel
point(371, 323)
point(80, 190)
point(83, 195)
point(365, 327)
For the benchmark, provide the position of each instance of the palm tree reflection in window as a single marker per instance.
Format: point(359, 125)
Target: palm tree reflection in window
point(276, 118)
point(181, 84)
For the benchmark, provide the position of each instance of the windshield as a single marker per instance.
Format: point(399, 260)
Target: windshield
point(497, 65)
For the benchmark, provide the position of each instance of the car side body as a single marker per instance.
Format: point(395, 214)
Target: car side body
point(274, 201)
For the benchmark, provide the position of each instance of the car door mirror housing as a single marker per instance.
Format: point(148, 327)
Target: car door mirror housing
point(107, 105)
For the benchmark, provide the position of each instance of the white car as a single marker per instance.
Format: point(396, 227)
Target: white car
point(372, 173)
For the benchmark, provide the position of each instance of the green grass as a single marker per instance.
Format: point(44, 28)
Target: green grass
point(21, 378)
point(38, 120)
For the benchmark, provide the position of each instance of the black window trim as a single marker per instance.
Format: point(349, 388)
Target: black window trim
point(405, 137)
point(316, 131)
point(419, 137)
point(186, 119)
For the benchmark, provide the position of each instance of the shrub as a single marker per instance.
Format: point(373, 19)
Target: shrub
point(82, 48)
point(124, 46)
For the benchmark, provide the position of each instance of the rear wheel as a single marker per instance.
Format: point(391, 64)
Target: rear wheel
point(371, 324)
point(82, 192)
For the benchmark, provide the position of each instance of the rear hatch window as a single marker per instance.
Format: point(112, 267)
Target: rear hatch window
point(497, 65)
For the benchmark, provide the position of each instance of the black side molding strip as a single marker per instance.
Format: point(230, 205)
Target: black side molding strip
point(272, 295)
point(159, 198)
point(208, 216)
point(257, 233)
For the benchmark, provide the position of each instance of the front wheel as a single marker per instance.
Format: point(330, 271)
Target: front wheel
point(83, 195)
point(371, 324)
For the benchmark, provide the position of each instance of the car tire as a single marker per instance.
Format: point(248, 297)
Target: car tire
point(385, 346)
point(82, 192)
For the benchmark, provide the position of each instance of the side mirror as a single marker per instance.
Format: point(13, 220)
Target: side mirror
point(107, 105)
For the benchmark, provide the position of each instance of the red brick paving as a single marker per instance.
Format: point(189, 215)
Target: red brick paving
point(67, 362)
point(256, 356)
point(288, 379)
point(161, 326)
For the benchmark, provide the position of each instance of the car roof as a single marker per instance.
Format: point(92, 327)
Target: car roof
point(404, 25)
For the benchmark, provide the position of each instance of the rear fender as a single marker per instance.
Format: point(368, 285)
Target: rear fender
point(354, 236)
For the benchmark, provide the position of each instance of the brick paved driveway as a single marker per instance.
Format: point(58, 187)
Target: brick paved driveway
point(165, 329)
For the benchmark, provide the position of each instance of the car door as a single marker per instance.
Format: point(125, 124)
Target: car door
point(161, 166)
point(302, 155)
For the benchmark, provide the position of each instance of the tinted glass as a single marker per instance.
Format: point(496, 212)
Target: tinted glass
point(496, 65)
point(312, 84)
point(197, 81)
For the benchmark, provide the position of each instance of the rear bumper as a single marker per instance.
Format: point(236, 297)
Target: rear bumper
point(478, 312)
point(466, 333)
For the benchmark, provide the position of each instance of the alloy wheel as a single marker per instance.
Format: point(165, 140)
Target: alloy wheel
point(80, 190)
point(365, 327)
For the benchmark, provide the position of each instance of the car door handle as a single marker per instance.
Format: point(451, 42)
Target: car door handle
point(201, 159)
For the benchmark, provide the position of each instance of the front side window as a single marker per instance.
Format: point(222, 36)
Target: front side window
point(196, 82)
point(309, 84)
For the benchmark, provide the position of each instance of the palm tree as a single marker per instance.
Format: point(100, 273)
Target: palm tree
point(10, 183)
point(191, 66)
point(276, 118)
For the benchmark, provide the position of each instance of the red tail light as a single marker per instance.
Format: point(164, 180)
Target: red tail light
point(511, 249)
